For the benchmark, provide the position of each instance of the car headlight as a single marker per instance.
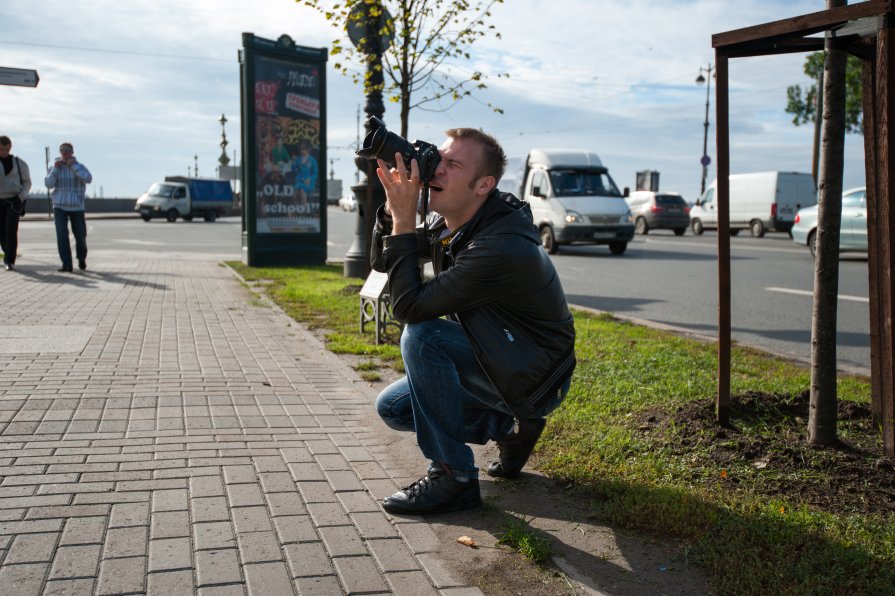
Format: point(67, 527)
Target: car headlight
point(573, 217)
point(626, 218)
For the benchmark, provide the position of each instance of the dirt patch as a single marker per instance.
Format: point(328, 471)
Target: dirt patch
point(765, 450)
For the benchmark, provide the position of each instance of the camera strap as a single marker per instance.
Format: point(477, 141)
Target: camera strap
point(424, 202)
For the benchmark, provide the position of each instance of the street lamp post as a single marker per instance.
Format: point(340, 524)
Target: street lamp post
point(705, 160)
point(224, 160)
point(370, 31)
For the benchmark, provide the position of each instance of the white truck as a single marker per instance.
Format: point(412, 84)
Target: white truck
point(182, 196)
point(759, 202)
point(573, 198)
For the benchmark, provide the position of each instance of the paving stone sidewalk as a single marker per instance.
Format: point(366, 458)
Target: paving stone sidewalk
point(163, 431)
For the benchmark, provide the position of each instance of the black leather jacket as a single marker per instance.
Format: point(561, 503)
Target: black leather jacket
point(496, 280)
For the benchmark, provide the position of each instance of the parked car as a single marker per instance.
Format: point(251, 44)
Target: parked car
point(852, 229)
point(348, 203)
point(653, 210)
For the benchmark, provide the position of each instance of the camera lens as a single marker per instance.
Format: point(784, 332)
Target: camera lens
point(382, 144)
point(374, 142)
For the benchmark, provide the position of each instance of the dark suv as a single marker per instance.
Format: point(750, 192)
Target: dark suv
point(652, 210)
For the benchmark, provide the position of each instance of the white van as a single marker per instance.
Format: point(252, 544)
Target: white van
point(759, 202)
point(573, 199)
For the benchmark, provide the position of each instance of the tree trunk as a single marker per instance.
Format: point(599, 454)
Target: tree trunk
point(822, 413)
point(405, 112)
point(818, 120)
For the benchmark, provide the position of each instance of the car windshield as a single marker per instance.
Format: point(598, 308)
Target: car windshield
point(578, 183)
point(161, 190)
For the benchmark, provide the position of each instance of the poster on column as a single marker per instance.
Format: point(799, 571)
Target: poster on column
point(287, 98)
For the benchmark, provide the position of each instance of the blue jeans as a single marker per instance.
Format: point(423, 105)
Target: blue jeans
point(446, 398)
point(78, 229)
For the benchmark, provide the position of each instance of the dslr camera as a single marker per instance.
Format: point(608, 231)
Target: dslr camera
point(382, 144)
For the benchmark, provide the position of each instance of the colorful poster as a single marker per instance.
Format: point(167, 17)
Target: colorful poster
point(287, 98)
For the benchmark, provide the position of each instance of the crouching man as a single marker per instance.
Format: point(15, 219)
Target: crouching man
point(488, 344)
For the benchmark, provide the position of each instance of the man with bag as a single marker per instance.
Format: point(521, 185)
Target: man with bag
point(15, 184)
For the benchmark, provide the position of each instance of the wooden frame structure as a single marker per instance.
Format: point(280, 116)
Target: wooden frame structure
point(867, 30)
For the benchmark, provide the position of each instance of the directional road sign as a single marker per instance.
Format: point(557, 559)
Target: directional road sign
point(19, 77)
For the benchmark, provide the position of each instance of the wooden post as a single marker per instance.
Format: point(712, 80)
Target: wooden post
point(881, 239)
point(722, 117)
point(871, 139)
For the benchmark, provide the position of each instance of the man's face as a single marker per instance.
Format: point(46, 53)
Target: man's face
point(451, 189)
point(65, 151)
point(4, 150)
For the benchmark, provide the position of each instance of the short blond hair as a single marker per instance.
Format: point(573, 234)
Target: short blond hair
point(494, 160)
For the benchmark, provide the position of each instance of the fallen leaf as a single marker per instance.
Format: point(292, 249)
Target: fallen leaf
point(760, 464)
point(466, 540)
point(723, 473)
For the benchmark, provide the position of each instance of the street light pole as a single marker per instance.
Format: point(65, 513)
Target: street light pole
point(223, 159)
point(705, 160)
point(366, 24)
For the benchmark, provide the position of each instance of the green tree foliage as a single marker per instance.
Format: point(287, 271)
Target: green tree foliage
point(802, 103)
point(422, 65)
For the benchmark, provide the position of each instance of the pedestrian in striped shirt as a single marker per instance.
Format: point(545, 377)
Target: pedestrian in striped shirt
point(69, 178)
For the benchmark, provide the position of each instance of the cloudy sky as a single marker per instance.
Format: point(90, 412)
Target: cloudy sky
point(139, 86)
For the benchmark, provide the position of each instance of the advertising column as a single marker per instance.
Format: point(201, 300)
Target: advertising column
point(284, 144)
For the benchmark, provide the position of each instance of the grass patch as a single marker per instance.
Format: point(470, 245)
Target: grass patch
point(521, 537)
point(758, 508)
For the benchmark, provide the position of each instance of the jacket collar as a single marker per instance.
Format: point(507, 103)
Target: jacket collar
point(500, 210)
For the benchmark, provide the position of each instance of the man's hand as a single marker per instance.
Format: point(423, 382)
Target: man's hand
point(402, 193)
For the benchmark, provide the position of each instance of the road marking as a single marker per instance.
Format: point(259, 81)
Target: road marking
point(806, 293)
